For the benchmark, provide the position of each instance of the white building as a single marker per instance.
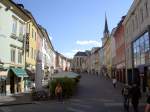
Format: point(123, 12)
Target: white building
point(13, 22)
point(48, 55)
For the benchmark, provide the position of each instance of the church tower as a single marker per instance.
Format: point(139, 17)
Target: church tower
point(106, 31)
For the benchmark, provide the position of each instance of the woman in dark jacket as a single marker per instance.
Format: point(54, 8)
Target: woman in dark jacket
point(135, 96)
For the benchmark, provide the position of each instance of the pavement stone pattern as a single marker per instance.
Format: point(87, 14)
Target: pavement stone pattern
point(94, 94)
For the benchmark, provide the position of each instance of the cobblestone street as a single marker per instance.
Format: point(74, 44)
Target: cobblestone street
point(94, 94)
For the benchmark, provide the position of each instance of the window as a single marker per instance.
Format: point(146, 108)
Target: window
point(20, 31)
point(142, 44)
point(140, 49)
point(35, 35)
point(13, 55)
point(142, 16)
point(35, 54)
point(77, 61)
point(80, 61)
point(32, 53)
point(27, 54)
point(14, 26)
point(146, 6)
point(20, 28)
point(147, 44)
point(32, 33)
point(19, 57)
point(136, 21)
point(29, 28)
point(133, 25)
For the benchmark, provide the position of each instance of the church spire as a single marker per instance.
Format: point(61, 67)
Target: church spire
point(106, 31)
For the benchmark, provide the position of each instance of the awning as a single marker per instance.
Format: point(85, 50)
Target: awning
point(19, 72)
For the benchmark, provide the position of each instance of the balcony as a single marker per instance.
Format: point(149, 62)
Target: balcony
point(13, 36)
point(20, 38)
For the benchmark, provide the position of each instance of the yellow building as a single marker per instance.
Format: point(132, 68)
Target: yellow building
point(31, 46)
point(107, 56)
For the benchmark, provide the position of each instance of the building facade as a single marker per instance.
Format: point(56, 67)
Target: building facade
point(12, 35)
point(95, 60)
point(79, 62)
point(137, 43)
point(120, 51)
point(113, 52)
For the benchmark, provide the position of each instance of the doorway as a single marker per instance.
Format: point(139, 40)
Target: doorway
point(12, 82)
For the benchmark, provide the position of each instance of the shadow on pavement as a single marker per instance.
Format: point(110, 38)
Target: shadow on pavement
point(17, 99)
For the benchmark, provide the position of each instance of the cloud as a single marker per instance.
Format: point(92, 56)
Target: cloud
point(76, 50)
point(88, 42)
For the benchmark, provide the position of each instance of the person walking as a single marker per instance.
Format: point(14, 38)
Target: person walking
point(58, 91)
point(147, 107)
point(114, 81)
point(135, 96)
point(125, 94)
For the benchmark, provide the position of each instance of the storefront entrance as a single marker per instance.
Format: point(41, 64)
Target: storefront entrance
point(16, 76)
point(3, 77)
point(12, 82)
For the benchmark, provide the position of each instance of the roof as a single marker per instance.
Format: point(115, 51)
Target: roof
point(45, 34)
point(80, 54)
point(16, 8)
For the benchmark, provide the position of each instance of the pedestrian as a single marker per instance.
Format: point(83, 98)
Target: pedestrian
point(147, 107)
point(58, 91)
point(135, 96)
point(125, 94)
point(114, 81)
point(97, 73)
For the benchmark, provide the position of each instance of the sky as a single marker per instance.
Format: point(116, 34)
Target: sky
point(76, 25)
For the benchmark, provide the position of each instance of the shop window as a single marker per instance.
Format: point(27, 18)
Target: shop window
point(141, 50)
point(147, 47)
point(142, 58)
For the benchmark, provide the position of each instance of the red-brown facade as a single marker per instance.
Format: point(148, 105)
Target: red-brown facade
point(120, 52)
